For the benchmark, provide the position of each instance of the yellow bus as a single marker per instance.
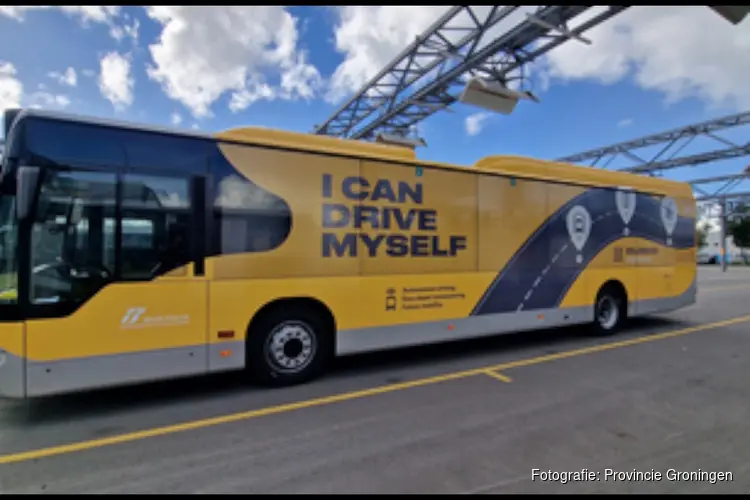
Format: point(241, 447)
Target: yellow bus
point(132, 254)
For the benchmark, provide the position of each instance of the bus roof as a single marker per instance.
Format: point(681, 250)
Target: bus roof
point(516, 166)
point(520, 166)
point(260, 136)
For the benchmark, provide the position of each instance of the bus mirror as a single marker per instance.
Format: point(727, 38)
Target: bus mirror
point(28, 177)
point(9, 116)
point(76, 212)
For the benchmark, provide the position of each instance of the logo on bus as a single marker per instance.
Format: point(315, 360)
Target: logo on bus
point(135, 317)
point(132, 315)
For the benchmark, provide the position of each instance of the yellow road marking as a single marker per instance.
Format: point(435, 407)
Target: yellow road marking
point(728, 276)
point(498, 376)
point(349, 396)
point(719, 288)
point(617, 345)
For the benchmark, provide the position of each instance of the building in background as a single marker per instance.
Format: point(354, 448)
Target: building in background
point(710, 253)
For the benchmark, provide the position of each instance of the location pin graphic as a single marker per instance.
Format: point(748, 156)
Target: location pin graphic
point(579, 228)
point(625, 201)
point(669, 217)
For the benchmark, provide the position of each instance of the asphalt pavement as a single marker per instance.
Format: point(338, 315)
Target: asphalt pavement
point(668, 396)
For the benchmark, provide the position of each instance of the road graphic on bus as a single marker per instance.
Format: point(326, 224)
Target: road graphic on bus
point(547, 265)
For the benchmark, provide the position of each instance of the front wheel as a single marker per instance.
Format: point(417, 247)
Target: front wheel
point(609, 312)
point(288, 348)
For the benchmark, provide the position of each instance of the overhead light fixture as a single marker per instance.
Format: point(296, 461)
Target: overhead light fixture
point(493, 96)
point(400, 140)
point(732, 13)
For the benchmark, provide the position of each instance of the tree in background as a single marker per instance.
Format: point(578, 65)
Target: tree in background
point(739, 228)
point(701, 234)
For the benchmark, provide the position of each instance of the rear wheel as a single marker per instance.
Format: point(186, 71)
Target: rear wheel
point(609, 311)
point(287, 348)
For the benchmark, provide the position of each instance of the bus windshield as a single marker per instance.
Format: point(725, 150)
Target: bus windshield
point(8, 249)
point(68, 263)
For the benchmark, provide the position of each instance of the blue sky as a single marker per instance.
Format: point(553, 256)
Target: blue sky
point(216, 68)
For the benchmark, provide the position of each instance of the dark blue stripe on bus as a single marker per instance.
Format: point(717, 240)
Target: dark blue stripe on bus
point(544, 269)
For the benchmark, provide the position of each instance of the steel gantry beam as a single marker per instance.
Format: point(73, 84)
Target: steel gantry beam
point(744, 195)
point(428, 75)
point(673, 142)
point(729, 182)
point(723, 194)
point(729, 179)
point(721, 201)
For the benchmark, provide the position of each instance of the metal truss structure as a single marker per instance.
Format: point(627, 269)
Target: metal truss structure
point(673, 143)
point(728, 205)
point(727, 202)
point(429, 74)
point(732, 198)
point(729, 182)
point(668, 157)
point(723, 201)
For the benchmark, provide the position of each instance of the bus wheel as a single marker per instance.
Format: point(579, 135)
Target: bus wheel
point(610, 310)
point(287, 348)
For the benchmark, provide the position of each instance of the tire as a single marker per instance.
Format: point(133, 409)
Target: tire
point(288, 347)
point(610, 311)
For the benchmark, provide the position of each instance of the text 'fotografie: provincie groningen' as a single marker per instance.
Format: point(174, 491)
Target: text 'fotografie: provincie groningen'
point(650, 475)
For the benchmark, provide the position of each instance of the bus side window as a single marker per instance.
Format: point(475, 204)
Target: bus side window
point(155, 226)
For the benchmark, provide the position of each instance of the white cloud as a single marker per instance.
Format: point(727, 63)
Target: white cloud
point(625, 122)
point(68, 77)
point(678, 51)
point(90, 13)
point(176, 118)
point(115, 81)
point(48, 100)
point(11, 89)
point(370, 37)
point(12, 92)
point(255, 89)
point(205, 52)
point(106, 15)
point(300, 80)
point(475, 123)
point(126, 30)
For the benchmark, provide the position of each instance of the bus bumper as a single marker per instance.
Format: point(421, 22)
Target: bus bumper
point(12, 366)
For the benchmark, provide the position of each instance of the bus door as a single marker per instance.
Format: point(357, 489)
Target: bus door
point(124, 295)
point(162, 263)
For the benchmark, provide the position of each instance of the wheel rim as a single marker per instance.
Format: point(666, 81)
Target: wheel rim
point(291, 346)
point(608, 313)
